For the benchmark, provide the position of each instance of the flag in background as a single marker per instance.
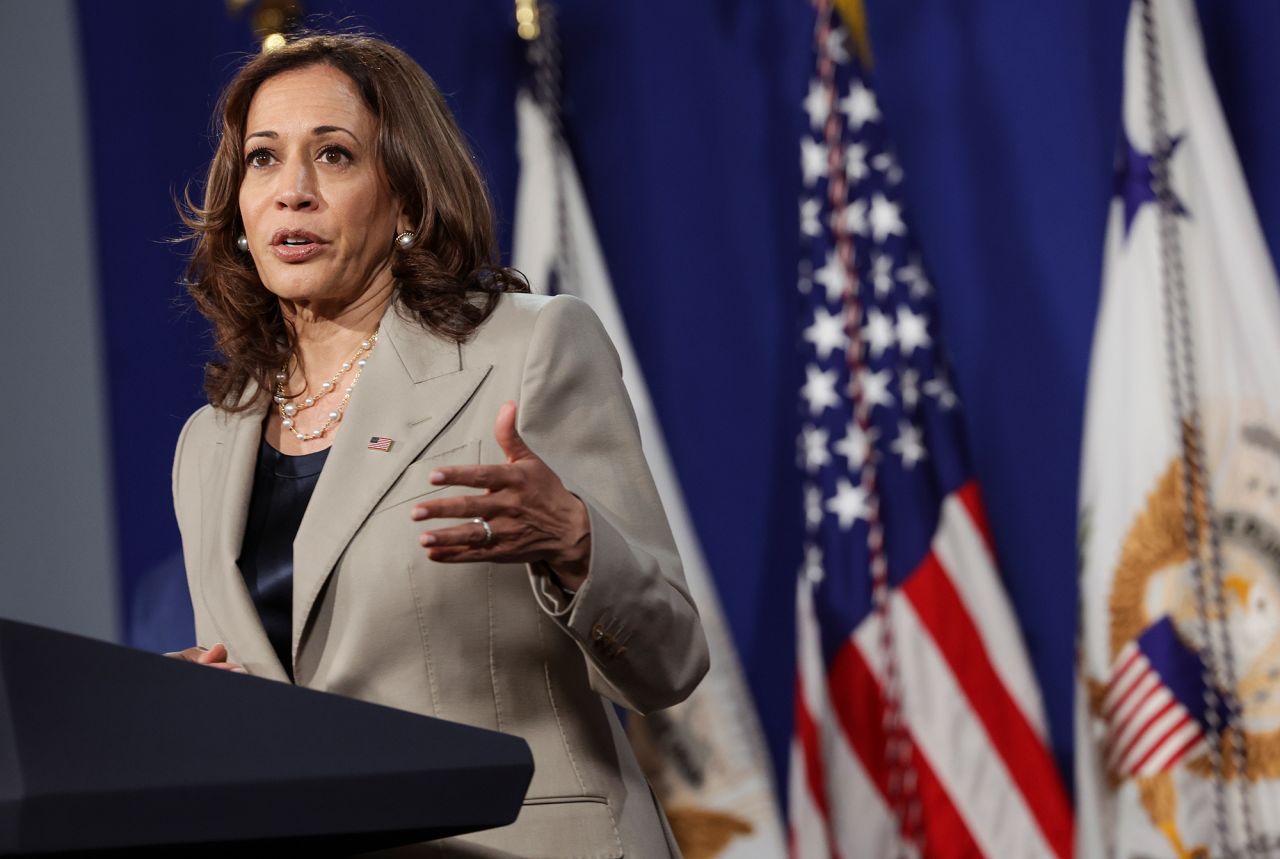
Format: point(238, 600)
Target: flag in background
point(705, 757)
point(919, 726)
point(1178, 677)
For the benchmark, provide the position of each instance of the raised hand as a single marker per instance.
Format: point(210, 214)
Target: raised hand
point(525, 515)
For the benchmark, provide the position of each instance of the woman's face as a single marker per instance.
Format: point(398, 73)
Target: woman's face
point(317, 210)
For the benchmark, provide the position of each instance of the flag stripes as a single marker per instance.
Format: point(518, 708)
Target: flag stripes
point(986, 782)
point(1149, 730)
point(825, 763)
point(940, 609)
point(858, 697)
point(964, 549)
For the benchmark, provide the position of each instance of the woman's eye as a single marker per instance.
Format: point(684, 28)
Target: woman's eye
point(258, 158)
point(334, 155)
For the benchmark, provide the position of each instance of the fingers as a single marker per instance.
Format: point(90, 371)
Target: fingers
point(217, 653)
point(504, 429)
point(228, 666)
point(467, 534)
point(466, 554)
point(214, 657)
point(480, 476)
point(462, 507)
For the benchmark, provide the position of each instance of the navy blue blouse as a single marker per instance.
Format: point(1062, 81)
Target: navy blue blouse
point(282, 487)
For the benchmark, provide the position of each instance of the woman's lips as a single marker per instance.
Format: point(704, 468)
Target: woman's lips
point(296, 253)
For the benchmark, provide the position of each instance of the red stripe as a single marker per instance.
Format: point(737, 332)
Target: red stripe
point(1026, 758)
point(1117, 674)
point(1147, 677)
point(971, 497)
point(1146, 726)
point(1178, 726)
point(1186, 747)
point(859, 703)
point(1137, 738)
point(1116, 728)
point(811, 748)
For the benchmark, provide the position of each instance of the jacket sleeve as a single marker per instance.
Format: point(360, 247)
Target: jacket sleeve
point(186, 510)
point(633, 617)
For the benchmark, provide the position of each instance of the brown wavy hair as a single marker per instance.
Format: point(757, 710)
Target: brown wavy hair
point(449, 280)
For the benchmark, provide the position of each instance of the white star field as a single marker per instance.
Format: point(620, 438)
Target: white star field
point(872, 376)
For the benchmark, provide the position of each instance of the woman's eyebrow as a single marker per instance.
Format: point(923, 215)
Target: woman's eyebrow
point(317, 131)
point(329, 129)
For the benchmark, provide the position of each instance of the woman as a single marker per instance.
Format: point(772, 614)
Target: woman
point(413, 484)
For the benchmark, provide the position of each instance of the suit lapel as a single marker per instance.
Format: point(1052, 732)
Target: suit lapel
point(412, 387)
point(235, 455)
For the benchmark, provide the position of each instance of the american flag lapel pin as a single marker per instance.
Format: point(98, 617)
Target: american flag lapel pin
point(380, 442)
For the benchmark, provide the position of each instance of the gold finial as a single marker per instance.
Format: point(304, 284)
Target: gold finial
point(527, 19)
point(270, 19)
point(855, 17)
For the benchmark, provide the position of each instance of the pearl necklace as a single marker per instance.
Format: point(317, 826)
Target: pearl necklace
point(289, 409)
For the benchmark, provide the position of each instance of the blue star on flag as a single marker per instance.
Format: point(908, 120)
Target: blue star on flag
point(1135, 180)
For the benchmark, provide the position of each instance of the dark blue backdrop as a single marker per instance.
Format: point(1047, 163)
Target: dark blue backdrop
point(685, 119)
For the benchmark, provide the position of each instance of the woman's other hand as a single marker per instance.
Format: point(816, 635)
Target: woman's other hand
point(531, 516)
point(215, 657)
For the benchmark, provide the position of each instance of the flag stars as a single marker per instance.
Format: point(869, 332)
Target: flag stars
point(837, 40)
point(810, 208)
point(888, 165)
point(909, 445)
point(804, 276)
point(855, 162)
point(826, 334)
point(875, 387)
point(941, 391)
point(813, 160)
point(849, 504)
point(885, 218)
point(856, 446)
point(913, 276)
point(819, 389)
point(855, 218)
point(817, 104)
point(812, 507)
point(913, 330)
point(882, 274)
point(812, 567)
point(860, 105)
point(909, 384)
point(878, 332)
point(832, 277)
point(813, 446)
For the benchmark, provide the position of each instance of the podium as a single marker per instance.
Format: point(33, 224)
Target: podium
point(109, 751)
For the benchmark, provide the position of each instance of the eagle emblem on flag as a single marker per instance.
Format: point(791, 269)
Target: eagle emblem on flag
point(1156, 707)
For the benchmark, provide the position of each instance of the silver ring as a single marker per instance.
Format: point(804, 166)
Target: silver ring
point(488, 532)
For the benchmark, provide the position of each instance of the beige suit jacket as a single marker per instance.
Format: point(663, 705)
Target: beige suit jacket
point(493, 645)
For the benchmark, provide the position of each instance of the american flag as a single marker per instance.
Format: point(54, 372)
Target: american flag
point(380, 442)
point(1154, 704)
point(919, 726)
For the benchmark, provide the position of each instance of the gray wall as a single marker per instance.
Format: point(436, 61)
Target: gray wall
point(57, 567)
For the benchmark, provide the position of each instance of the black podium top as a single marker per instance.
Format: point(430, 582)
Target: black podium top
point(106, 749)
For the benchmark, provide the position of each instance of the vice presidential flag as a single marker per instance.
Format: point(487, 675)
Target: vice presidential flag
point(919, 725)
point(1178, 692)
point(706, 756)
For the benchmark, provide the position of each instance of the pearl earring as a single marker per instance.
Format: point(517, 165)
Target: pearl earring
point(404, 241)
point(242, 242)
